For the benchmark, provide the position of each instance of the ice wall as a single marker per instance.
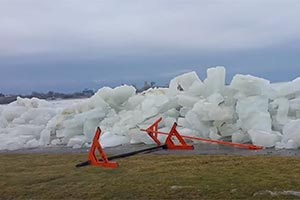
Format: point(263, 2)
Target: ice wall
point(249, 109)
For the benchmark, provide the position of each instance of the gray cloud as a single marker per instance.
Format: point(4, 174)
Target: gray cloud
point(68, 45)
point(106, 28)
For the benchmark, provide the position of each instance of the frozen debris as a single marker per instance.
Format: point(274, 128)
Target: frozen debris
point(183, 83)
point(291, 135)
point(248, 85)
point(250, 109)
point(110, 140)
point(278, 193)
point(262, 138)
point(215, 81)
point(76, 142)
point(240, 137)
point(253, 113)
point(180, 187)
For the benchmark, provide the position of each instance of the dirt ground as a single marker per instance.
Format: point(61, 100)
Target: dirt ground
point(199, 148)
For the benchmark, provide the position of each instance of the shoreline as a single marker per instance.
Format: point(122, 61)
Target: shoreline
point(199, 149)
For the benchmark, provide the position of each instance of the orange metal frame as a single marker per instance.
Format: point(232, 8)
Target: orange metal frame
point(152, 131)
point(182, 144)
point(92, 158)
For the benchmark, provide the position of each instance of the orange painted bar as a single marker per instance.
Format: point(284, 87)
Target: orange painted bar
point(249, 146)
point(153, 131)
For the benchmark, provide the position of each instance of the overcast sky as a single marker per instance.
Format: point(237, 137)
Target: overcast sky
point(69, 45)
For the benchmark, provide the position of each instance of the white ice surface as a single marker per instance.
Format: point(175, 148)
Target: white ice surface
point(250, 109)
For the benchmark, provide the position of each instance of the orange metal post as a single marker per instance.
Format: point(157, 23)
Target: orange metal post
point(170, 144)
point(92, 158)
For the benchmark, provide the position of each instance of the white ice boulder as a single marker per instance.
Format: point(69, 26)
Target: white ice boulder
point(30, 103)
point(263, 138)
point(258, 121)
point(72, 123)
point(110, 140)
point(193, 122)
point(187, 131)
point(253, 113)
point(35, 116)
point(130, 119)
point(207, 111)
point(213, 133)
point(134, 101)
point(183, 82)
point(18, 137)
point(45, 137)
point(281, 89)
point(215, 98)
point(173, 112)
point(290, 144)
point(296, 85)
point(116, 97)
point(169, 121)
point(12, 112)
point(32, 144)
point(76, 142)
point(89, 128)
point(3, 122)
point(246, 106)
point(155, 104)
point(22, 123)
point(183, 111)
point(215, 81)
point(283, 106)
point(227, 129)
point(294, 108)
point(240, 137)
point(137, 136)
point(286, 89)
point(105, 93)
point(248, 85)
point(28, 130)
point(291, 132)
point(109, 121)
point(197, 89)
point(121, 94)
point(187, 101)
point(12, 142)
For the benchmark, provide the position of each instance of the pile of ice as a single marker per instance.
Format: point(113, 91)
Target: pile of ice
point(249, 109)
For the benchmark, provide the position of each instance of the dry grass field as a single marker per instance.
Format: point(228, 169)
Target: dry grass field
point(53, 176)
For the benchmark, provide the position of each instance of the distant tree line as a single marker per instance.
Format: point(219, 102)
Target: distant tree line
point(51, 95)
point(86, 93)
point(145, 87)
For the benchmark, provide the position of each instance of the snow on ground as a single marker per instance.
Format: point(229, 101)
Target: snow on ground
point(249, 109)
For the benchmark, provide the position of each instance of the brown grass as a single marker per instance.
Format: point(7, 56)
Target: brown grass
point(148, 177)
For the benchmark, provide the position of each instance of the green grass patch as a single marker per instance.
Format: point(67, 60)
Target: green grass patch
point(149, 177)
